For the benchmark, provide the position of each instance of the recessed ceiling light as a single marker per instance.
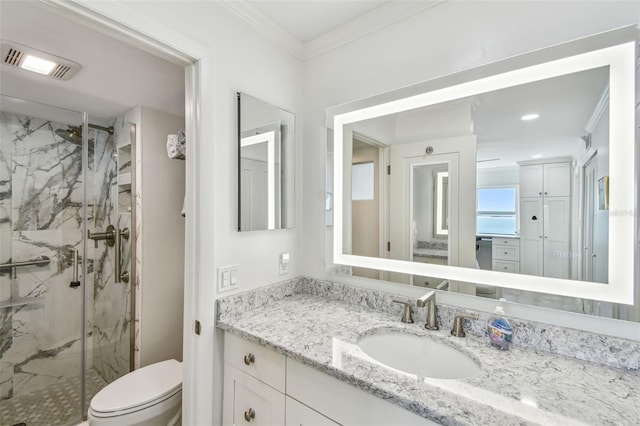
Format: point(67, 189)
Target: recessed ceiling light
point(30, 59)
point(529, 117)
point(39, 65)
point(536, 156)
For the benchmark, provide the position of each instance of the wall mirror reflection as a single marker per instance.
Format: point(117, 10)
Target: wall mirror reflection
point(266, 145)
point(492, 184)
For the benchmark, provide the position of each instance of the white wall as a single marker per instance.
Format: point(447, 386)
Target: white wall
point(162, 233)
point(498, 176)
point(451, 37)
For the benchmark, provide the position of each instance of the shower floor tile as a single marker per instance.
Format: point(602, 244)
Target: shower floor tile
point(58, 404)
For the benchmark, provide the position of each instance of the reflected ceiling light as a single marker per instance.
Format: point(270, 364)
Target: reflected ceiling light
point(529, 117)
point(536, 156)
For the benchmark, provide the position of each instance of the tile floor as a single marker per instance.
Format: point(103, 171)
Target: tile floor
point(59, 404)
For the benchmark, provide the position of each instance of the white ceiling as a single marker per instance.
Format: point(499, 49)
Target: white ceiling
point(306, 20)
point(114, 76)
point(565, 105)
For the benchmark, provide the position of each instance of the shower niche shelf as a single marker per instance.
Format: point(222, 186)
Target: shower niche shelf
point(124, 179)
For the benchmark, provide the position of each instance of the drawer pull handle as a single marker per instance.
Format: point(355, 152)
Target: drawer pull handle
point(249, 359)
point(250, 414)
point(505, 252)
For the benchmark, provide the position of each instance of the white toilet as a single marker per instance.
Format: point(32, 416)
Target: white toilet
point(151, 395)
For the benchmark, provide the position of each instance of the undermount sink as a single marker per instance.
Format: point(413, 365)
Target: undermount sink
point(419, 355)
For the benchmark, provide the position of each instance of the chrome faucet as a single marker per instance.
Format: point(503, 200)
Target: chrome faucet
point(458, 329)
point(406, 313)
point(429, 300)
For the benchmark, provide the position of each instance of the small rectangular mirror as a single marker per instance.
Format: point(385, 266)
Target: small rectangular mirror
point(266, 145)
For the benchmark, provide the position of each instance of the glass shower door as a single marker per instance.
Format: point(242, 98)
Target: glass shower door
point(42, 229)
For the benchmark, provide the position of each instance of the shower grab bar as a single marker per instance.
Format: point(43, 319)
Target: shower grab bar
point(38, 261)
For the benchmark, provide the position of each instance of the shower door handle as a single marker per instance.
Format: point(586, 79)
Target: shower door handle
point(75, 282)
point(120, 276)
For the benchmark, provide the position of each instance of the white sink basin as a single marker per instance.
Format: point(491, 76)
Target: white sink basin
point(422, 356)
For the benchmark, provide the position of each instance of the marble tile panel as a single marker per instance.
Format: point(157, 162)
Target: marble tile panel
point(46, 177)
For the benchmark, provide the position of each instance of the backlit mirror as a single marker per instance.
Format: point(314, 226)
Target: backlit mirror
point(518, 176)
point(265, 166)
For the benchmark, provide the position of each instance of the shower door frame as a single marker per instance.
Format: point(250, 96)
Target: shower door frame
point(29, 109)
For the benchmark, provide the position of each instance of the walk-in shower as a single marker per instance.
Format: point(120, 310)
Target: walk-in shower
point(65, 319)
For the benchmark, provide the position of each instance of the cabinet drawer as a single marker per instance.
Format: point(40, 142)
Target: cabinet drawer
point(506, 266)
point(432, 260)
point(298, 414)
point(344, 403)
point(502, 241)
point(249, 401)
point(258, 361)
point(505, 253)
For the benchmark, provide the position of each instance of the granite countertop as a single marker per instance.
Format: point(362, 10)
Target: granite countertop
point(430, 252)
point(515, 387)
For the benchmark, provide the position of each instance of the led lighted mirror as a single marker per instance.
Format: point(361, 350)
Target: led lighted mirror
point(465, 191)
point(265, 166)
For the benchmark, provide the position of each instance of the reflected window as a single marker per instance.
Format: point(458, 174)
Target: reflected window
point(362, 181)
point(497, 211)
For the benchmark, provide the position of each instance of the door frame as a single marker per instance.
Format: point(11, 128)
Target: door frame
point(120, 21)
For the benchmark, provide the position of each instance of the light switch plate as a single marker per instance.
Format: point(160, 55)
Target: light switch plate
point(228, 278)
point(285, 258)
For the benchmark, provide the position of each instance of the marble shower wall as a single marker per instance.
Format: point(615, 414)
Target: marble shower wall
point(40, 215)
point(111, 306)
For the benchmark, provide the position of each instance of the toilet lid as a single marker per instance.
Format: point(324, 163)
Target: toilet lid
point(140, 387)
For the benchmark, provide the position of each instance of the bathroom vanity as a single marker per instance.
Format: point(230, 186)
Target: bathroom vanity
point(292, 356)
point(268, 388)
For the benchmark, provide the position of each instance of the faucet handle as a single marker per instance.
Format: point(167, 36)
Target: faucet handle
point(458, 328)
point(406, 313)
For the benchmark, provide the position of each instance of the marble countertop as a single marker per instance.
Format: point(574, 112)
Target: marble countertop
point(515, 387)
point(429, 252)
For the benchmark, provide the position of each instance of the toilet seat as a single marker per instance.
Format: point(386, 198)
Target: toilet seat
point(139, 389)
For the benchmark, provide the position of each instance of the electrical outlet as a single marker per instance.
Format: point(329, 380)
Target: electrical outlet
point(228, 278)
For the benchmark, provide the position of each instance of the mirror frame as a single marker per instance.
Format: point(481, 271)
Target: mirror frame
point(280, 164)
point(615, 49)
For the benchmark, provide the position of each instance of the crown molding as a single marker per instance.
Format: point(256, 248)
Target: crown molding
point(266, 26)
point(370, 22)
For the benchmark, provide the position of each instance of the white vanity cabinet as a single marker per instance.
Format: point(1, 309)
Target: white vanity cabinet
point(262, 387)
point(547, 179)
point(254, 381)
point(430, 282)
point(298, 414)
point(505, 254)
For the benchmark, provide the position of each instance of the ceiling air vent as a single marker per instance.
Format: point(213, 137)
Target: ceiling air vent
point(13, 57)
point(27, 58)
